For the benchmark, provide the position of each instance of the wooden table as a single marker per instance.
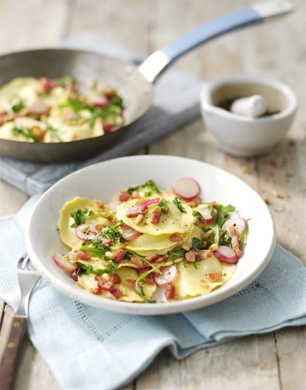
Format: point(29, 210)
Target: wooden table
point(271, 361)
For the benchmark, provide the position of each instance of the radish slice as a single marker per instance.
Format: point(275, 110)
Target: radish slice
point(239, 223)
point(128, 232)
point(38, 107)
point(168, 276)
point(148, 202)
point(113, 205)
point(226, 254)
point(87, 232)
point(186, 188)
point(79, 255)
point(61, 262)
point(206, 213)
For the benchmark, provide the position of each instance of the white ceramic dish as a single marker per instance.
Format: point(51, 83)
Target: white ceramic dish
point(240, 135)
point(103, 180)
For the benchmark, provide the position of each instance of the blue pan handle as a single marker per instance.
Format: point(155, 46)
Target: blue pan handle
point(153, 66)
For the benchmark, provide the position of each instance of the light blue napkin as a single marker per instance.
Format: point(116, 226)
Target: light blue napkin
point(108, 348)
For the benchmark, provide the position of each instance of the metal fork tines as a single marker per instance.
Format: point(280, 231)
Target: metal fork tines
point(27, 278)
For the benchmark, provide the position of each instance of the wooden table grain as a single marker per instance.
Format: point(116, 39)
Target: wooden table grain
point(271, 361)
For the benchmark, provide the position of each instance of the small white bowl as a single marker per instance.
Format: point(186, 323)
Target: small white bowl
point(240, 135)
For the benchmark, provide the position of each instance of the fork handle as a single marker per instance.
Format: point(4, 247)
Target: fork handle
point(10, 355)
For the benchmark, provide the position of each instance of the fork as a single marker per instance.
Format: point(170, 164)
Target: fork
point(27, 279)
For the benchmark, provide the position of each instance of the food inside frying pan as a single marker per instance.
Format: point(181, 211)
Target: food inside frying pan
point(57, 110)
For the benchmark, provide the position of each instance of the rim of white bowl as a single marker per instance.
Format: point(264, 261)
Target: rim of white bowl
point(156, 308)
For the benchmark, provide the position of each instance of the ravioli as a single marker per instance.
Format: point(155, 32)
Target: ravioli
point(193, 281)
point(67, 232)
point(174, 221)
point(132, 259)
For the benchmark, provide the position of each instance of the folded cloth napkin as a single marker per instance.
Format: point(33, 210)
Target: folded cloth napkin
point(107, 348)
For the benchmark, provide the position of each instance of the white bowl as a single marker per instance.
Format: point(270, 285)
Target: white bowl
point(240, 135)
point(103, 180)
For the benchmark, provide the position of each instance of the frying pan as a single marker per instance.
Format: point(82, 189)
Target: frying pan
point(134, 83)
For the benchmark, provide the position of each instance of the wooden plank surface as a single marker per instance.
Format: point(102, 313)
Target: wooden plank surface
point(272, 361)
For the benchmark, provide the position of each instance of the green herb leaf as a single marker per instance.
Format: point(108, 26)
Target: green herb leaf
point(197, 244)
point(141, 278)
point(87, 269)
point(163, 204)
point(17, 105)
point(79, 216)
point(21, 130)
point(149, 184)
point(96, 247)
point(66, 80)
point(178, 203)
point(112, 232)
point(54, 132)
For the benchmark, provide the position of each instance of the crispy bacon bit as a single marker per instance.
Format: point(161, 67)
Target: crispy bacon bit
point(160, 259)
point(98, 278)
point(151, 258)
point(106, 285)
point(116, 293)
point(137, 261)
point(155, 218)
point(109, 295)
point(109, 95)
point(170, 290)
point(132, 283)
point(176, 237)
point(215, 276)
point(96, 291)
point(48, 84)
point(129, 233)
point(116, 279)
point(119, 255)
point(136, 210)
point(203, 254)
point(74, 275)
point(79, 255)
point(148, 202)
point(124, 196)
point(101, 205)
point(108, 127)
point(149, 279)
point(190, 257)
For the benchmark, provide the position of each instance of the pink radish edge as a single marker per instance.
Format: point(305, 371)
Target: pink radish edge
point(61, 262)
point(186, 188)
point(226, 254)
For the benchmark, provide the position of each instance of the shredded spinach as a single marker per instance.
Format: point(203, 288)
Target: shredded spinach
point(112, 232)
point(96, 247)
point(63, 81)
point(79, 216)
point(151, 184)
point(197, 244)
point(20, 130)
point(141, 278)
point(17, 105)
point(163, 204)
point(178, 203)
point(87, 269)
